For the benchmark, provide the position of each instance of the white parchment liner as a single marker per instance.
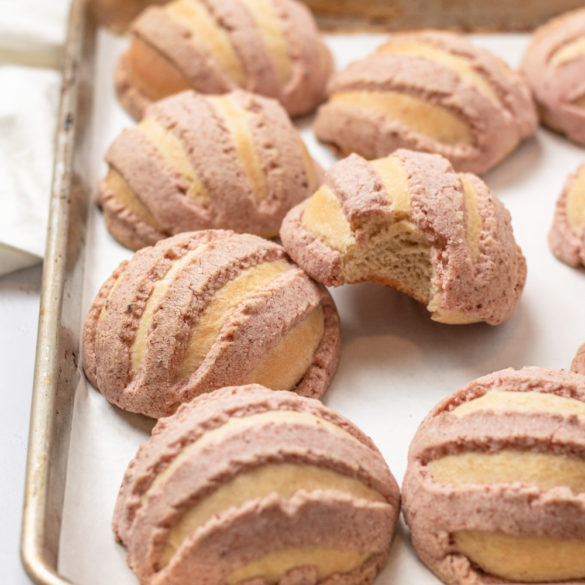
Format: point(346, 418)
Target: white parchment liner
point(396, 363)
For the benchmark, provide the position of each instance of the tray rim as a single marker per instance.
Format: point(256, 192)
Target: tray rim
point(56, 362)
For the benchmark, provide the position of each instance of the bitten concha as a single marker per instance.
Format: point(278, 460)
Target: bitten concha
point(554, 66)
point(567, 235)
point(411, 222)
point(194, 162)
point(494, 490)
point(269, 47)
point(246, 485)
point(204, 310)
point(428, 91)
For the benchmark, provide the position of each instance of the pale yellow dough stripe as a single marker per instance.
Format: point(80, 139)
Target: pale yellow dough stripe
point(568, 52)
point(459, 65)
point(262, 11)
point(524, 558)
point(474, 223)
point(273, 566)
point(446, 316)
point(173, 152)
point(325, 218)
point(205, 29)
point(499, 400)
point(576, 204)
point(219, 310)
point(285, 365)
point(417, 114)
point(158, 292)
point(236, 120)
point(543, 470)
point(122, 192)
point(395, 180)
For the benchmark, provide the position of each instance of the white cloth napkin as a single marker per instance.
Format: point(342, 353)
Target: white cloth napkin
point(32, 34)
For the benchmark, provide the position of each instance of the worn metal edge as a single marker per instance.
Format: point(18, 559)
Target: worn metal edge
point(56, 371)
point(459, 15)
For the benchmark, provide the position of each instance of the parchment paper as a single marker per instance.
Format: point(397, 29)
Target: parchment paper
point(396, 363)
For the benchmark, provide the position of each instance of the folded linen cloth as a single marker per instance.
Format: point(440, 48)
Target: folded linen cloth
point(32, 34)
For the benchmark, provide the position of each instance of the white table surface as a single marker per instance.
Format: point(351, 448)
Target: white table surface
point(19, 307)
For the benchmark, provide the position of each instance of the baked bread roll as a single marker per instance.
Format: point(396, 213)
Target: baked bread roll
point(118, 14)
point(409, 221)
point(494, 491)
point(246, 485)
point(554, 66)
point(204, 310)
point(567, 234)
point(202, 162)
point(270, 47)
point(429, 91)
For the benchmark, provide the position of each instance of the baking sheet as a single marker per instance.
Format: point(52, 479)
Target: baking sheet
point(396, 363)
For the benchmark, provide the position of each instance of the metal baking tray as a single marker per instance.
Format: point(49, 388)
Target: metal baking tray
point(57, 359)
point(396, 363)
